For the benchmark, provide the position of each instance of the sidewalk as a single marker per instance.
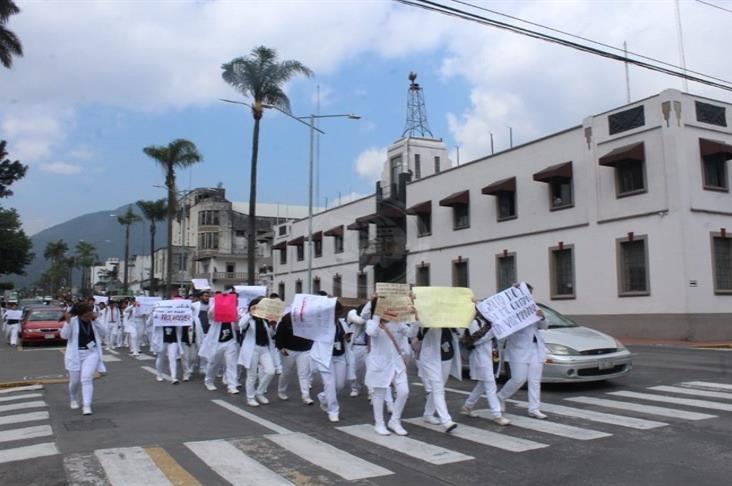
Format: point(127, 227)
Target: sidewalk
point(33, 365)
point(628, 341)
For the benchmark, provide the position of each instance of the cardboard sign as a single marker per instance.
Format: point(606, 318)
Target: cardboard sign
point(225, 308)
point(386, 289)
point(269, 309)
point(248, 293)
point(144, 305)
point(13, 315)
point(444, 306)
point(201, 284)
point(510, 310)
point(396, 308)
point(313, 317)
point(172, 313)
point(99, 299)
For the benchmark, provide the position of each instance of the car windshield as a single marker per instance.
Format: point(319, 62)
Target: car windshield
point(46, 315)
point(556, 320)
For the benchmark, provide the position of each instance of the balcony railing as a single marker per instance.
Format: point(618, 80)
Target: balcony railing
point(382, 247)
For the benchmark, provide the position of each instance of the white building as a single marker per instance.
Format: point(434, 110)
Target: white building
point(621, 222)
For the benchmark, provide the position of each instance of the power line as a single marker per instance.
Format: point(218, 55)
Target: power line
point(457, 13)
point(713, 5)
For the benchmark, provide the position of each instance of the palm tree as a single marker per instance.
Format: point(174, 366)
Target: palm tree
point(179, 153)
point(56, 252)
point(126, 220)
point(85, 256)
point(154, 211)
point(9, 42)
point(260, 75)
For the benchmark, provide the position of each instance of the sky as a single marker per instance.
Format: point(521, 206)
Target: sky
point(100, 80)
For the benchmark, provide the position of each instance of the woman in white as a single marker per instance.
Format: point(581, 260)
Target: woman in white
point(526, 355)
point(130, 327)
point(479, 337)
point(11, 323)
point(359, 347)
point(113, 321)
point(258, 355)
point(83, 357)
point(330, 359)
point(166, 344)
point(220, 344)
point(386, 365)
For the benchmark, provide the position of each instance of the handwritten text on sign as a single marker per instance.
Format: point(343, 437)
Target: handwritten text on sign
point(510, 310)
point(269, 309)
point(144, 305)
point(397, 308)
point(173, 313)
point(384, 289)
point(313, 317)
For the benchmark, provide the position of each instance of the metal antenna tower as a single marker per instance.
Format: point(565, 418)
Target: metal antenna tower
point(416, 112)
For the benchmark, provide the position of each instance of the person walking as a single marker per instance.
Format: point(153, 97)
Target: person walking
point(294, 353)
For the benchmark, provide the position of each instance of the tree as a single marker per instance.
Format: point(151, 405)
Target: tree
point(9, 171)
point(15, 246)
point(56, 252)
point(126, 220)
point(177, 154)
point(9, 43)
point(154, 211)
point(85, 256)
point(261, 76)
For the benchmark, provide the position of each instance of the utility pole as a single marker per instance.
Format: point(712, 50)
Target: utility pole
point(627, 73)
point(510, 137)
point(492, 151)
point(680, 34)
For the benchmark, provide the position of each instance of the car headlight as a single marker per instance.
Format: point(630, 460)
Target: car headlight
point(621, 346)
point(560, 350)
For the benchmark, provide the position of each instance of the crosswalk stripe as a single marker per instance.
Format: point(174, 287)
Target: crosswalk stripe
point(170, 467)
point(689, 391)
point(84, 470)
point(250, 416)
point(112, 351)
point(709, 384)
point(23, 405)
point(23, 417)
point(108, 358)
point(233, 465)
point(20, 388)
point(330, 458)
point(28, 452)
point(130, 465)
point(20, 397)
point(484, 437)
point(548, 427)
point(25, 433)
point(605, 418)
point(727, 407)
point(144, 357)
point(637, 407)
point(153, 371)
point(414, 448)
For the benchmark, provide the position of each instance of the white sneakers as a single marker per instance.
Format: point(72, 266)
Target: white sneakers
point(501, 420)
point(175, 381)
point(232, 391)
point(381, 430)
point(537, 415)
point(74, 405)
point(262, 399)
point(159, 378)
point(333, 417)
point(210, 386)
point(282, 397)
point(449, 426)
point(252, 402)
point(468, 411)
point(86, 411)
point(431, 419)
point(396, 427)
point(307, 400)
point(186, 377)
point(354, 393)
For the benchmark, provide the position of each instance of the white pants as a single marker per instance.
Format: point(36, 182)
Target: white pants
point(333, 381)
point(113, 341)
point(402, 393)
point(134, 341)
point(13, 330)
point(229, 353)
point(84, 377)
point(171, 351)
point(188, 358)
point(301, 360)
point(141, 336)
point(360, 352)
point(486, 384)
point(436, 395)
point(262, 367)
point(520, 373)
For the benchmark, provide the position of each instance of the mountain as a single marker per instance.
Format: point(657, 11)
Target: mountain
point(102, 230)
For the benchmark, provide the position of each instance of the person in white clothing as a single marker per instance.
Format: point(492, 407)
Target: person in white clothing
point(112, 318)
point(130, 327)
point(359, 347)
point(329, 358)
point(83, 356)
point(201, 325)
point(220, 344)
point(166, 344)
point(12, 326)
point(295, 353)
point(526, 354)
point(479, 341)
point(257, 355)
point(386, 366)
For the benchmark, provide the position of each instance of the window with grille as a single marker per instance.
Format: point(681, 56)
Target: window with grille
point(363, 237)
point(298, 287)
point(281, 290)
point(722, 264)
point(712, 114)
point(363, 286)
point(300, 252)
point(437, 164)
point(630, 177)
point(316, 285)
point(626, 120)
point(460, 274)
point(283, 256)
point(208, 218)
point(423, 276)
point(633, 266)
point(715, 172)
point(424, 224)
point(417, 167)
point(562, 273)
point(561, 194)
point(505, 271)
point(506, 202)
point(460, 216)
point(208, 241)
point(337, 286)
point(338, 243)
point(318, 248)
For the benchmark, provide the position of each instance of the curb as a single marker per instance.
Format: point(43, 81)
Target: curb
point(40, 381)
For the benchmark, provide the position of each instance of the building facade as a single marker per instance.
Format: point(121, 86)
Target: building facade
point(621, 222)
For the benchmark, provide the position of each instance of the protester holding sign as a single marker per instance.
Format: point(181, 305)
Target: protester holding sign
point(329, 358)
point(130, 327)
point(359, 347)
point(258, 355)
point(12, 323)
point(200, 326)
point(219, 345)
point(295, 352)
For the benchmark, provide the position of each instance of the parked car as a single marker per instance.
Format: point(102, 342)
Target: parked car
point(42, 324)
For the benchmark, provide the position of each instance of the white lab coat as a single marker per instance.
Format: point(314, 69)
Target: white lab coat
point(128, 318)
point(384, 361)
point(481, 357)
point(249, 327)
point(209, 345)
point(322, 352)
point(521, 346)
point(429, 362)
point(198, 327)
point(70, 332)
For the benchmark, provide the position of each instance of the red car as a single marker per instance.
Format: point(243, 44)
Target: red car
point(42, 324)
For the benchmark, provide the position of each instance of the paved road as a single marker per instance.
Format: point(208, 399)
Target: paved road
point(669, 422)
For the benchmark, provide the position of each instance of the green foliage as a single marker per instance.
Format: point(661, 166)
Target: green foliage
point(153, 211)
point(9, 171)
point(128, 218)
point(9, 43)
point(15, 246)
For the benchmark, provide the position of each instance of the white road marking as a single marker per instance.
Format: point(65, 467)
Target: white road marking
point(688, 391)
point(10, 398)
point(690, 402)
point(23, 417)
point(107, 358)
point(21, 406)
point(709, 384)
point(130, 465)
point(165, 376)
point(419, 450)
point(484, 437)
point(112, 351)
point(144, 357)
point(548, 427)
point(233, 465)
point(330, 458)
point(277, 429)
point(20, 388)
point(25, 433)
point(28, 452)
point(637, 407)
point(605, 418)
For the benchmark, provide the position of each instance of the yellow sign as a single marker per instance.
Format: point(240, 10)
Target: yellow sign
point(444, 306)
point(384, 289)
point(396, 308)
point(269, 309)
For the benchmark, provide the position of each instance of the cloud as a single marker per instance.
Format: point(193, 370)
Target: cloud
point(32, 135)
point(61, 168)
point(82, 152)
point(370, 163)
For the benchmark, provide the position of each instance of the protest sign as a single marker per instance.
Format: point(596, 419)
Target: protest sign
point(313, 317)
point(144, 305)
point(248, 293)
point(13, 315)
point(269, 309)
point(172, 313)
point(444, 306)
point(201, 284)
point(384, 289)
point(396, 308)
point(510, 310)
point(225, 308)
point(98, 299)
